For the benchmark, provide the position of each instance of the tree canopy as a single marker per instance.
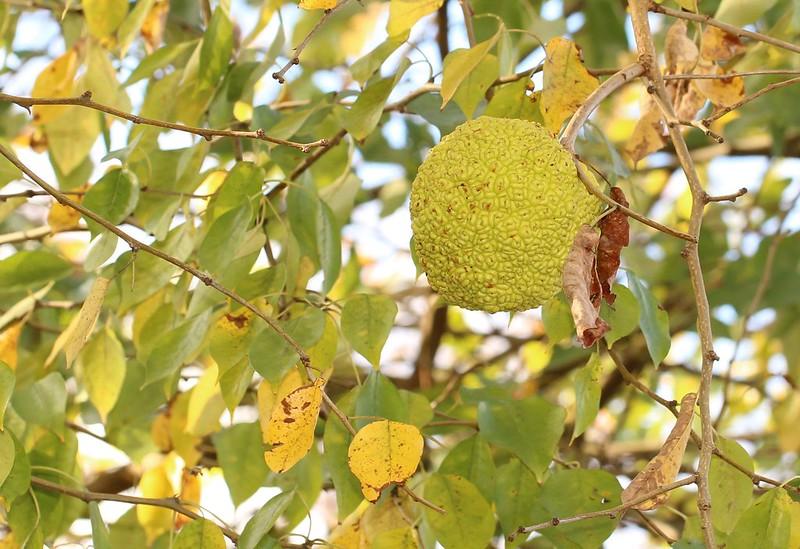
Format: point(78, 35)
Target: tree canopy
point(214, 330)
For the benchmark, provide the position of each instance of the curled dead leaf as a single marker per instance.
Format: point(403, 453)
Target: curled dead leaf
point(648, 135)
point(719, 45)
point(681, 53)
point(577, 280)
point(614, 235)
point(664, 467)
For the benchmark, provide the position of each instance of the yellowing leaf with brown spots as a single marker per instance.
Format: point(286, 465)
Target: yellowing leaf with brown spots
point(8, 344)
point(723, 92)
point(80, 328)
point(267, 396)
point(662, 469)
point(567, 83)
point(382, 453)
point(155, 483)
point(56, 80)
point(318, 4)
point(719, 45)
point(291, 426)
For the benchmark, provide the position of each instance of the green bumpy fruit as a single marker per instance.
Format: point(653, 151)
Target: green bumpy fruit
point(494, 208)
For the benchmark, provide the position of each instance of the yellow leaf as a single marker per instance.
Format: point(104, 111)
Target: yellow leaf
point(159, 432)
point(104, 16)
point(267, 396)
point(664, 467)
point(155, 483)
point(291, 426)
point(403, 14)
point(61, 218)
point(648, 135)
point(183, 442)
point(56, 80)
point(723, 92)
point(205, 404)
point(8, 344)
point(80, 328)
point(382, 453)
point(154, 24)
point(567, 83)
point(191, 490)
point(318, 4)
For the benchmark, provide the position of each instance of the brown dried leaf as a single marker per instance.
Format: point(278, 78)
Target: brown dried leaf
point(680, 51)
point(664, 467)
point(719, 45)
point(614, 235)
point(577, 279)
point(723, 92)
point(688, 101)
point(648, 135)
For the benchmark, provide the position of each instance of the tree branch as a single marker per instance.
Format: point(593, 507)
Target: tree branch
point(774, 86)
point(174, 504)
point(466, 9)
point(732, 29)
point(648, 58)
point(613, 512)
point(85, 100)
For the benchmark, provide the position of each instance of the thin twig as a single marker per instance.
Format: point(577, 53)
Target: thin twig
point(613, 512)
point(731, 197)
point(466, 9)
point(85, 100)
point(592, 188)
point(647, 56)
point(766, 89)
point(726, 76)
point(174, 504)
point(295, 59)
point(731, 29)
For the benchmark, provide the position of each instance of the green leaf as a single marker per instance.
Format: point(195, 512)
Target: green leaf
point(242, 185)
point(100, 536)
point(623, 316)
point(736, 12)
point(460, 63)
point(379, 398)
point(766, 523)
point(363, 69)
point(102, 365)
point(113, 197)
point(573, 491)
point(731, 491)
point(557, 319)
point(587, 395)
point(228, 343)
point(131, 25)
point(473, 89)
point(101, 249)
point(362, 118)
point(158, 59)
point(26, 269)
point(216, 49)
point(467, 522)
point(529, 428)
point(200, 534)
point(7, 451)
point(241, 456)
point(272, 356)
point(472, 459)
point(653, 320)
point(336, 441)
point(18, 480)
point(70, 137)
point(366, 323)
point(43, 402)
point(224, 237)
point(7, 382)
point(302, 204)
point(511, 101)
point(24, 518)
point(516, 495)
point(419, 408)
point(173, 348)
point(234, 382)
point(258, 527)
point(329, 245)
point(104, 16)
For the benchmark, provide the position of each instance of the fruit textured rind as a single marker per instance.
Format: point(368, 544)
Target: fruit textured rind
point(494, 208)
